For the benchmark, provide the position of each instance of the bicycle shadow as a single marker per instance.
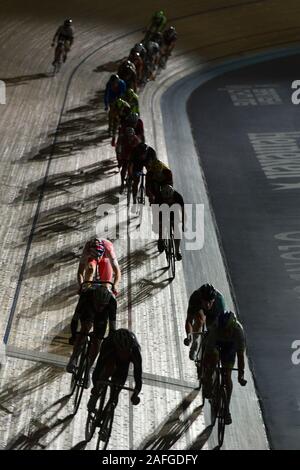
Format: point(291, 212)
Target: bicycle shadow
point(60, 297)
point(111, 66)
point(174, 427)
point(31, 436)
point(23, 79)
point(43, 265)
point(27, 383)
point(202, 438)
point(62, 182)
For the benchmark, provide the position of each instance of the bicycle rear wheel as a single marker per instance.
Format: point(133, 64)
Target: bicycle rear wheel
point(102, 441)
point(170, 255)
point(94, 418)
point(215, 400)
point(221, 416)
point(80, 376)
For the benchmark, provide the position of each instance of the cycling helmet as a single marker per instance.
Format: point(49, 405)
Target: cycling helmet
point(129, 131)
point(67, 21)
point(226, 319)
point(124, 340)
point(130, 93)
point(167, 191)
point(141, 149)
point(132, 119)
point(158, 15)
point(208, 292)
point(96, 248)
point(114, 78)
point(121, 104)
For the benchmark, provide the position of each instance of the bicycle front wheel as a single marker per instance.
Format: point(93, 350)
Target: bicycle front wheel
point(221, 416)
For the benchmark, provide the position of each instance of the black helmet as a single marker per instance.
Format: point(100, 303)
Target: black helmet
point(208, 292)
point(114, 77)
point(132, 119)
point(226, 319)
point(68, 21)
point(141, 149)
point(124, 340)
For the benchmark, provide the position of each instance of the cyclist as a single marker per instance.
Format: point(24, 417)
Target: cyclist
point(64, 35)
point(137, 60)
point(205, 305)
point(133, 100)
point(127, 72)
point(170, 197)
point(115, 88)
point(169, 41)
point(157, 23)
point(125, 145)
point(158, 175)
point(133, 120)
point(226, 340)
point(119, 109)
point(118, 351)
point(140, 49)
point(96, 307)
point(151, 59)
point(99, 261)
point(138, 160)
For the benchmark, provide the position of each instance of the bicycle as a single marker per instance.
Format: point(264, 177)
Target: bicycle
point(219, 401)
point(103, 416)
point(80, 376)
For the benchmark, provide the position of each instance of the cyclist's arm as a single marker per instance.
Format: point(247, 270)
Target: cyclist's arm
point(80, 273)
point(56, 34)
point(115, 266)
point(137, 372)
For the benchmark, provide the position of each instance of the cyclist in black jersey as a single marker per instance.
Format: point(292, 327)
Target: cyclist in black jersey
point(118, 351)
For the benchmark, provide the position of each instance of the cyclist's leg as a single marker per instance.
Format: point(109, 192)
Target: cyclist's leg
point(67, 47)
point(86, 316)
point(210, 360)
point(84, 331)
point(119, 377)
point(198, 323)
point(74, 324)
point(228, 355)
point(135, 185)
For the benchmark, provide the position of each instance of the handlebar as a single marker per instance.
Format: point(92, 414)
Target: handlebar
point(113, 384)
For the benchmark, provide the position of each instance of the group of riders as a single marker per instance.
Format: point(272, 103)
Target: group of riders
point(99, 273)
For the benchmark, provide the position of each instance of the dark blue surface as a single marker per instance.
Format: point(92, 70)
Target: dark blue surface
point(250, 213)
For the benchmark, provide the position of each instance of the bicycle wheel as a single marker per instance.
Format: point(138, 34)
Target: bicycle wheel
point(80, 376)
point(215, 397)
point(94, 418)
point(221, 416)
point(170, 255)
point(107, 423)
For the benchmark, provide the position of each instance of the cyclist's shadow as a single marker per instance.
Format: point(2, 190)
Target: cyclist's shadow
point(32, 438)
point(174, 427)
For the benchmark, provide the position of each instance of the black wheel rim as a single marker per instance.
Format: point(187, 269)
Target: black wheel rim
point(221, 417)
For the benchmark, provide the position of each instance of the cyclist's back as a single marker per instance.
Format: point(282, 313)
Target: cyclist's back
point(118, 351)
